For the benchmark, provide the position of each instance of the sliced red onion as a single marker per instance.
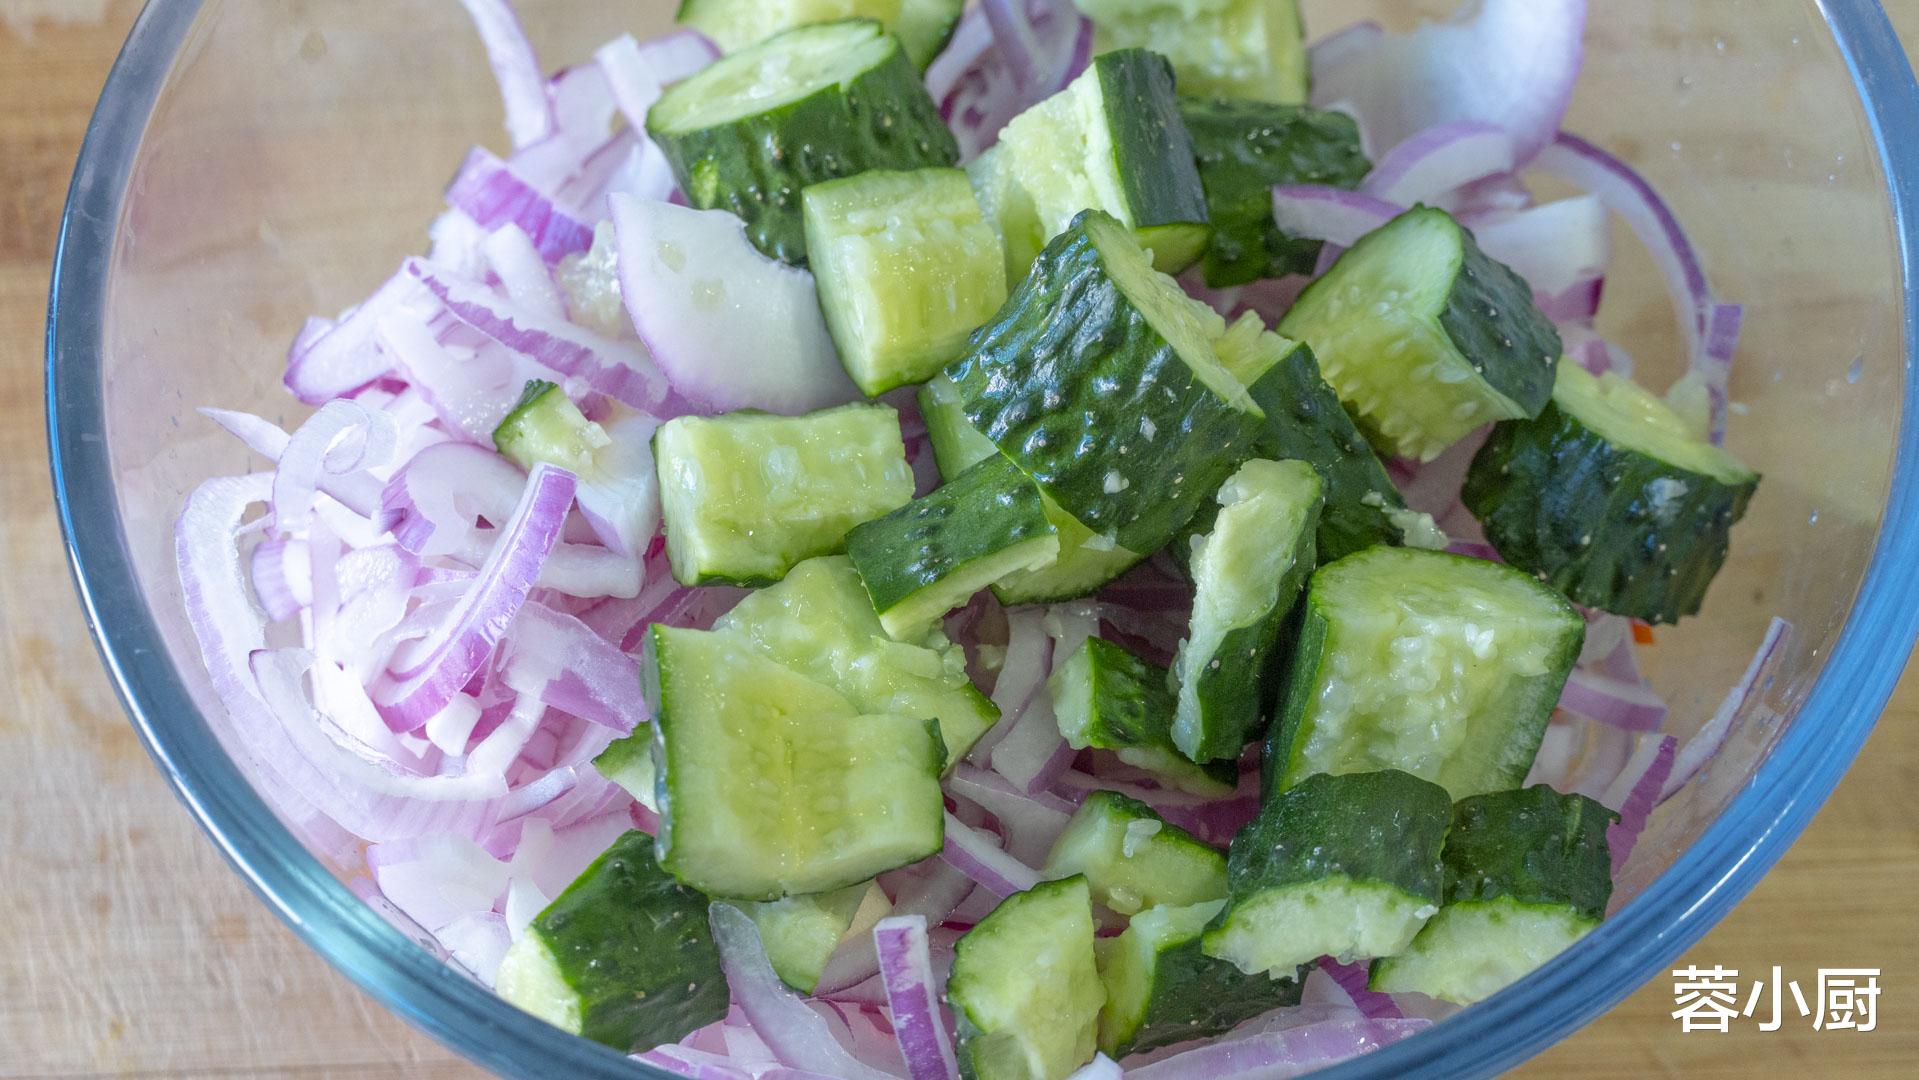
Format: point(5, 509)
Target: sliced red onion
point(930, 891)
point(906, 969)
point(1705, 744)
point(1285, 1052)
point(1342, 46)
point(1352, 978)
point(638, 73)
point(1033, 754)
point(583, 104)
point(1214, 819)
point(487, 191)
point(796, 1034)
point(436, 496)
point(617, 369)
point(1508, 63)
point(979, 81)
point(1633, 706)
point(437, 879)
point(978, 856)
point(346, 357)
point(437, 667)
point(1636, 792)
point(1100, 1068)
point(529, 117)
point(1562, 249)
point(470, 389)
point(1022, 677)
point(341, 440)
point(282, 577)
point(1432, 164)
point(731, 328)
point(477, 941)
point(621, 499)
point(1338, 217)
point(1030, 822)
point(570, 668)
point(528, 282)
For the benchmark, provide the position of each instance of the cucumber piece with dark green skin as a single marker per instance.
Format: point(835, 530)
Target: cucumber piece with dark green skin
point(1306, 422)
point(545, 426)
point(1231, 48)
point(931, 555)
point(1113, 141)
point(926, 26)
point(774, 785)
point(1133, 859)
point(923, 26)
point(1247, 572)
point(1425, 337)
point(747, 495)
point(1344, 866)
point(1527, 874)
point(1161, 989)
point(1439, 665)
point(1099, 378)
point(1086, 561)
point(628, 762)
point(1025, 986)
point(1245, 148)
point(1106, 698)
point(1609, 497)
point(907, 269)
point(800, 933)
point(622, 957)
point(819, 622)
point(815, 103)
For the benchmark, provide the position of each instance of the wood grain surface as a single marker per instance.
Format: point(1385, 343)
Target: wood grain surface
point(127, 948)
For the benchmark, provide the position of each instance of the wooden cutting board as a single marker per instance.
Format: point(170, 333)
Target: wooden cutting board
point(127, 948)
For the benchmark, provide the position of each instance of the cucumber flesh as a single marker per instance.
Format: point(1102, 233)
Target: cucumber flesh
point(1610, 497)
point(819, 622)
point(1426, 338)
point(545, 426)
point(1247, 574)
point(801, 932)
point(907, 268)
point(1009, 208)
point(622, 956)
point(628, 762)
point(1106, 698)
point(1025, 986)
point(931, 555)
point(746, 496)
point(774, 785)
point(1344, 866)
point(1470, 951)
point(925, 26)
point(735, 24)
point(1161, 989)
point(1231, 48)
point(749, 133)
point(1133, 859)
point(1095, 332)
point(1442, 666)
point(1113, 140)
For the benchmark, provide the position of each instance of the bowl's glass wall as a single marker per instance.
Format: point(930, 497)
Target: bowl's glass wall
point(298, 150)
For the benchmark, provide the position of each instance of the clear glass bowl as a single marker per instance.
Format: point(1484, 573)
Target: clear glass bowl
point(251, 163)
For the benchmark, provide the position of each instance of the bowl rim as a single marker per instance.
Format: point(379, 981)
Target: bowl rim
point(1702, 885)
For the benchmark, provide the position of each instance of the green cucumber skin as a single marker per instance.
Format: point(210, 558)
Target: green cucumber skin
point(1534, 846)
point(1387, 826)
point(1244, 149)
point(1560, 501)
point(1068, 343)
point(1132, 709)
point(1168, 203)
point(757, 166)
point(985, 510)
point(926, 26)
point(1196, 996)
point(1491, 319)
point(986, 1054)
point(633, 943)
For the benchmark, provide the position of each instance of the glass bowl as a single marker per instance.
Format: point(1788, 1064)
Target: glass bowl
point(252, 163)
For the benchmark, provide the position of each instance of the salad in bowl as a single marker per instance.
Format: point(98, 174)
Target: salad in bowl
point(1039, 538)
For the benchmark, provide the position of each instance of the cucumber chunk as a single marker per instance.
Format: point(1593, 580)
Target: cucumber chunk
point(1025, 986)
point(931, 555)
point(801, 932)
point(1161, 989)
point(1107, 698)
point(923, 26)
point(622, 957)
point(822, 101)
point(1609, 497)
point(1232, 48)
point(774, 785)
point(1009, 209)
point(1342, 866)
point(1527, 874)
point(747, 495)
point(1247, 573)
point(1133, 859)
point(1099, 378)
point(628, 762)
point(1305, 421)
point(819, 622)
point(1245, 148)
point(907, 268)
point(1112, 141)
point(1425, 337)
point(545, 426)
point(1443, 666)
point(1086, 560)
